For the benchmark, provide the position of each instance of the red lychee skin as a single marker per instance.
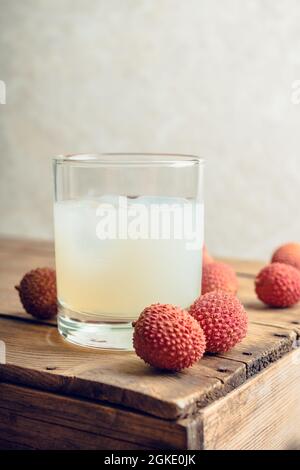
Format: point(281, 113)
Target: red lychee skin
point(219, 276)
point(37, 291)
point(288, 254)
point(222, 318)
point(278, 285)
point(167, 337)
point(206, 257)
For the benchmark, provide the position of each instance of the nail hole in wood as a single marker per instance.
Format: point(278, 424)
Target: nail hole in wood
point(222, 369)
point(247, 353)
point(50, 367)
point(295, 322)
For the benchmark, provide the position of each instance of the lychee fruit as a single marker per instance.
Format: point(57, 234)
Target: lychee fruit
point(288, 254)
point(37, 291)
point(206, 257)
point(219, 276)
point(167, 337)
point(222, 318)
point(278, 285)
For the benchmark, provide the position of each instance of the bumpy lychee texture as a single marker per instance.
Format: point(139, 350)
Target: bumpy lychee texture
point(218, 276)
point(167, 337)
point(222, 318)
point(278, 285)
point(288, 254)
point(206, 257)
point(37, 291)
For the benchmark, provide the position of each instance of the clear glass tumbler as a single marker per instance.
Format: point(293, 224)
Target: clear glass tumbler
point(128, 233)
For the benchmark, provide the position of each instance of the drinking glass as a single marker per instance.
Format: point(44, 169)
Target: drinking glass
point(128, 233)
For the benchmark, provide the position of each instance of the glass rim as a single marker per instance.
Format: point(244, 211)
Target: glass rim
point(130, 158)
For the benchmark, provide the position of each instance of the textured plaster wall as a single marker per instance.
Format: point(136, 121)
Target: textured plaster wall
point(211, 77)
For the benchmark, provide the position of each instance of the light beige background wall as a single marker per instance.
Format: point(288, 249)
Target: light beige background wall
point(211, 77)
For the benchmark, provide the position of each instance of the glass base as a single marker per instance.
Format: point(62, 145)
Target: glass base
point(101, 335)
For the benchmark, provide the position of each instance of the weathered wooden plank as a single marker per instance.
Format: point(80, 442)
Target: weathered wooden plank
point(106, 387)
point(96, 419)
point(42, 359)
point(264, 413)
point(263, 345)
point(48, 436)
point(13, 445)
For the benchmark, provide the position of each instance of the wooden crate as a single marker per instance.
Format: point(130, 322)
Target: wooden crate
point(54, 395)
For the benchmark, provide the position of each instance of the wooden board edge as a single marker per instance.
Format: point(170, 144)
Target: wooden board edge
point(243, 419)
point(129, 428)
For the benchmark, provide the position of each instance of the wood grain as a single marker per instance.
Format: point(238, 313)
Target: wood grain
point(264, 413)
point(55, 395)
point(49, 436)
point(103, 427)
point(5, 444)
point(263, 345)
point(42, 359)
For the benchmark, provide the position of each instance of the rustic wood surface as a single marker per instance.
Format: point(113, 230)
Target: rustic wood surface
point(98, 425)
point(43, 373)
point(37, 356)
point(262, 414)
